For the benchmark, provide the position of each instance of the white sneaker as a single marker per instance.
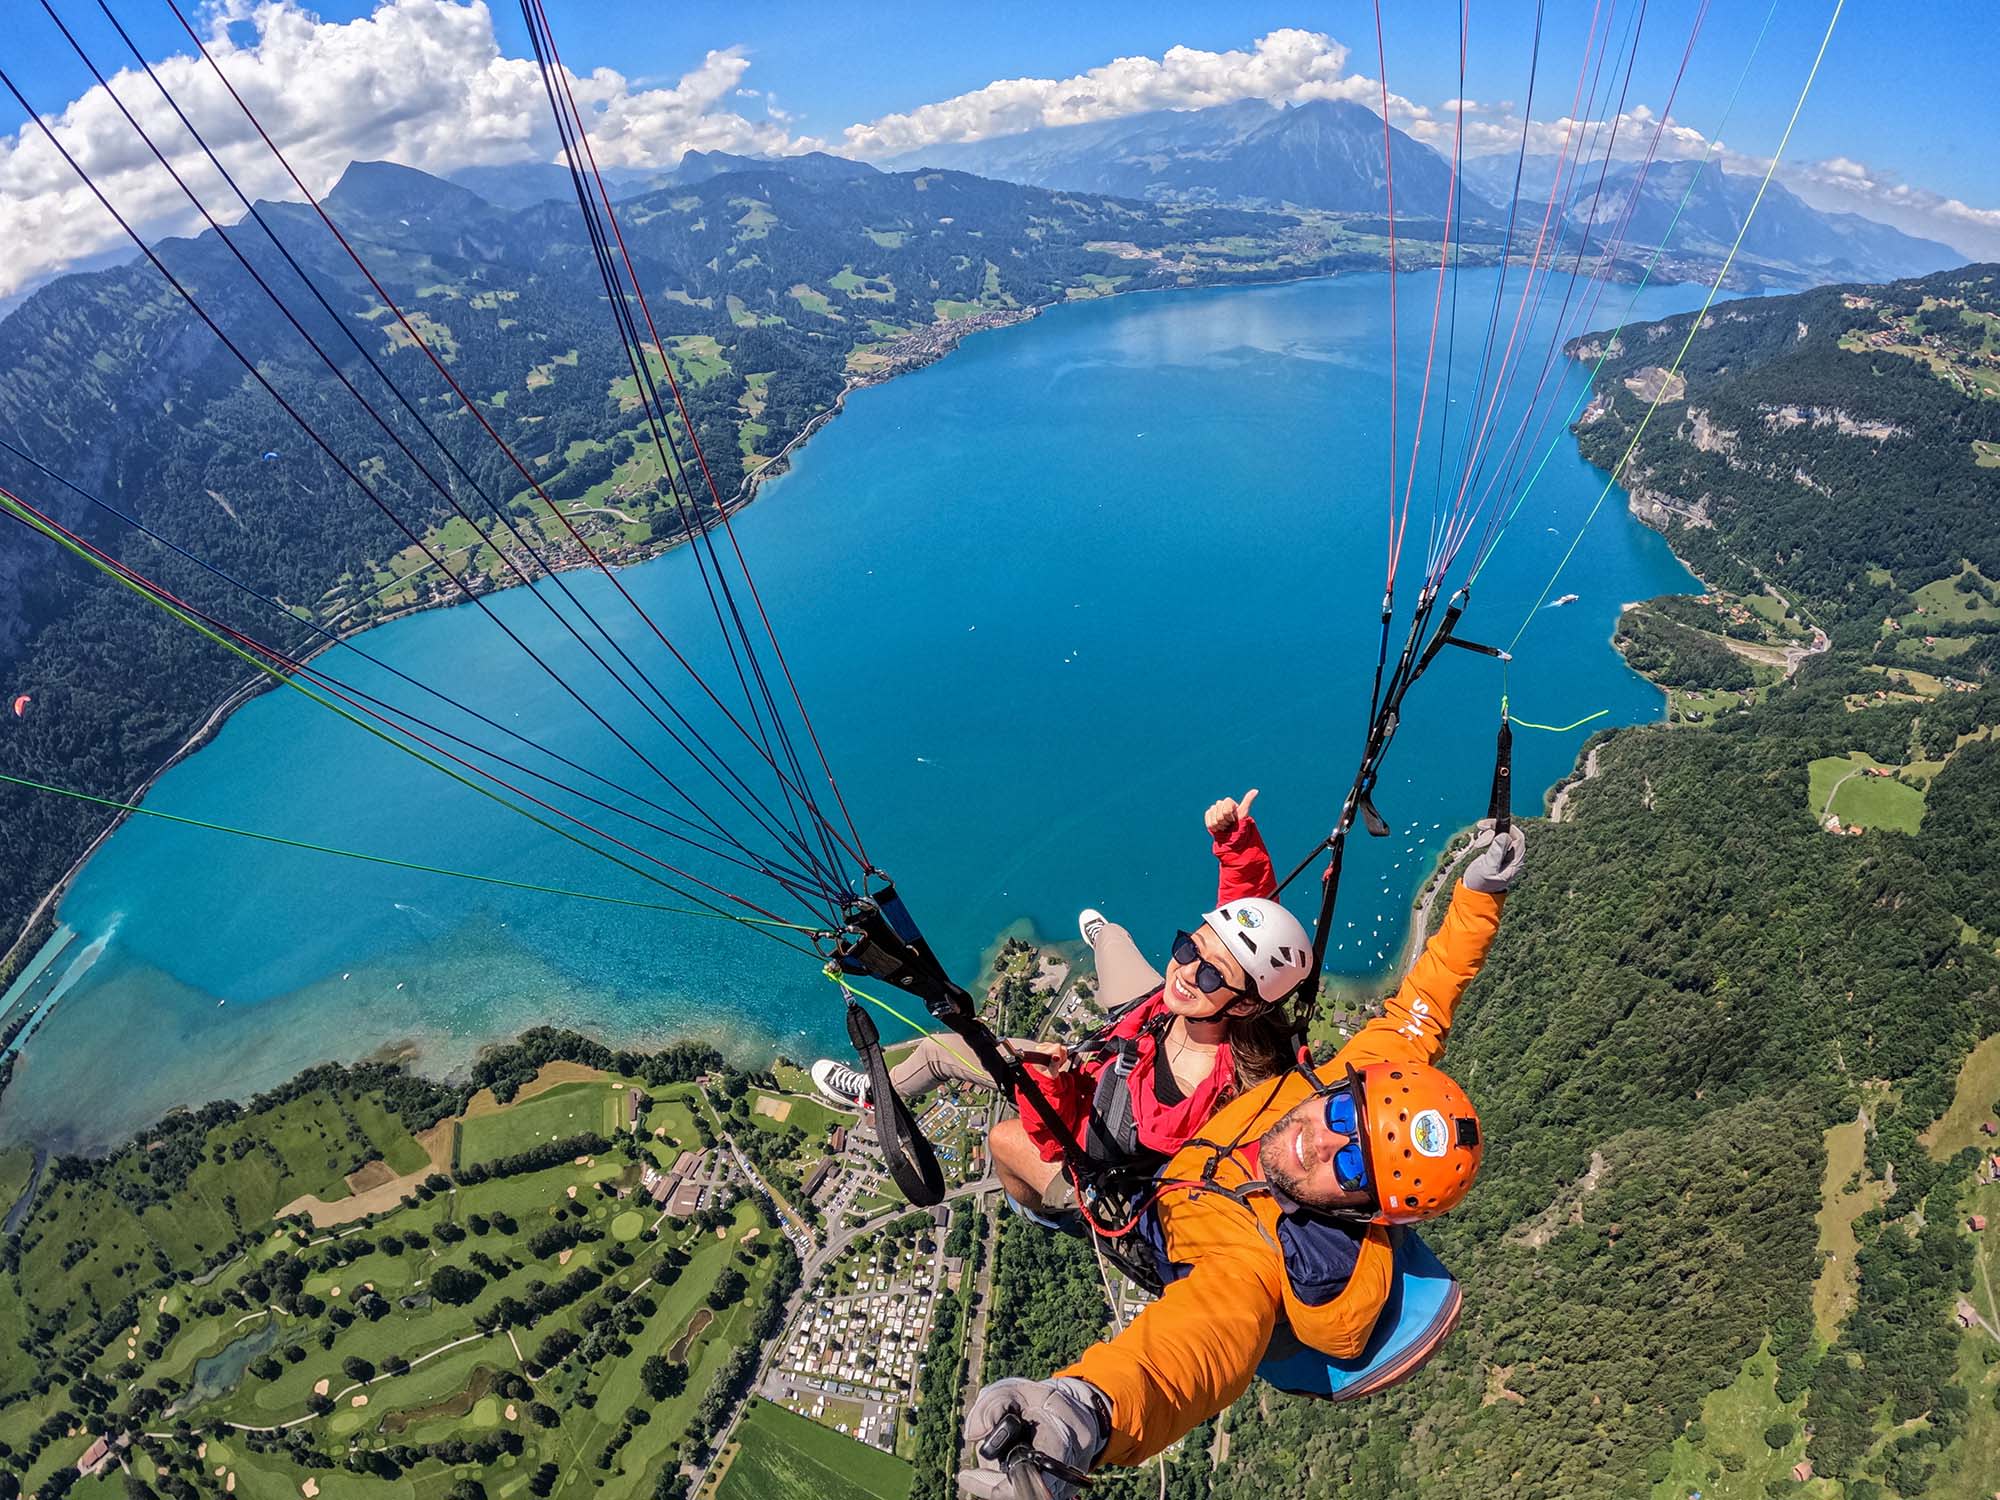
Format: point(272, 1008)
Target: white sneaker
point(1090, 921)
point(841, 1084)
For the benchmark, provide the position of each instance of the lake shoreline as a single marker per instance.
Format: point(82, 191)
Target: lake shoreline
point(287, 1037)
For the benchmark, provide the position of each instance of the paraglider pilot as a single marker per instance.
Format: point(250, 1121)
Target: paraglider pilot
point(1276, 1220)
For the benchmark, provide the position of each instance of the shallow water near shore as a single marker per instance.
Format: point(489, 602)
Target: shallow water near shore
point(1045, 599)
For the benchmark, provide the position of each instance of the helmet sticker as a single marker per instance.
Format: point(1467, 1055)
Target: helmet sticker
point(1429, 1134)
point(1248, 916)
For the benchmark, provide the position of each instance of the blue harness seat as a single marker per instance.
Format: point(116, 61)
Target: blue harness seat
point(1419, 1316)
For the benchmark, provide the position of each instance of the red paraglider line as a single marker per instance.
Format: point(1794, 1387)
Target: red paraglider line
point(464, 398)
point(728, 529)
point(1389, 187)
point(1437, 298)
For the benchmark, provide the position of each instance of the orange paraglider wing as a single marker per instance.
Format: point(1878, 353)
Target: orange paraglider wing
point(21, 706)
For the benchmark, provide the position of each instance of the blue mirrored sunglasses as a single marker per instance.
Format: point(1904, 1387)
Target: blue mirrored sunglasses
point(1350, 1162)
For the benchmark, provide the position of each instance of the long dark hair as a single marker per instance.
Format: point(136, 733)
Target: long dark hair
point(1260, 1045)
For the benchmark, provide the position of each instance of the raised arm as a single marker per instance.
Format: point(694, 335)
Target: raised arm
point(1243, 863)
point(1416, 1019)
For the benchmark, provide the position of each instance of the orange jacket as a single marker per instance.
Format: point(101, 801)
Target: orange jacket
point(1193, 1352)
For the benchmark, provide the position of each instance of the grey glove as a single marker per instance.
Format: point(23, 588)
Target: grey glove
point(1497, 860)
point(1071, 1420)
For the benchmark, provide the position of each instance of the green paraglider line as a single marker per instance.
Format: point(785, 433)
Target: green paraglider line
point(35, 521)
point(890, 1010)
point(1694, 180)
point(383, 859)
point(1557, 728)
point(1694, 324)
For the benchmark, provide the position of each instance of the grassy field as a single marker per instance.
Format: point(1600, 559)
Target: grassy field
point(1731, 1461)
point(455, 1385)
point(1836, 785)
point(1942, 600)
point(1833, 1292)
point(17, 1163)
point(570, 1109)
point(808, 1115)
point(1971, 1106)
point(813, 301)
point(781, 1454)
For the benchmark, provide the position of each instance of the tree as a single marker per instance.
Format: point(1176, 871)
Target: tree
point(658, 1377)
point(466, 1489)
point(456, 1285)
point(354, 1367)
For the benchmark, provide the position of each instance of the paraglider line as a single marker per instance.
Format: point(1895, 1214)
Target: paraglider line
point(1694, 323)
point(139, 810)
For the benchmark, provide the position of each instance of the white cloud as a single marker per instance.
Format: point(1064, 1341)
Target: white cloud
point(1844, 185)
point(1287, 66)
point(424, 82)
point(421, 82)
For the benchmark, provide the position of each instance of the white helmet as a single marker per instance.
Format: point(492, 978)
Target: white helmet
point(1272, 945)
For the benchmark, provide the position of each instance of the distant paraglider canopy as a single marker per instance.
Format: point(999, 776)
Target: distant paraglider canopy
point(271, 456)
point(21, 706)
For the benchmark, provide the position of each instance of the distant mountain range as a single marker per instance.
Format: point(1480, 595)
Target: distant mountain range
point(1325, 154)
point(1788, 240)
point(524, 184)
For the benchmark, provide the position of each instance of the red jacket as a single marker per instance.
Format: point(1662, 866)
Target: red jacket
point(1244, 869)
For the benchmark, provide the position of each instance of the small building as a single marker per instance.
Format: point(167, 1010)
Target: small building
point(817, 1176)
point(1976, 1223)
point(95, 1457)
point(1987, 1127)
point(837, 1141)
point(1802, 1470)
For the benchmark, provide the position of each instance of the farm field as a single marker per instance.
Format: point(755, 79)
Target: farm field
point(1840, 786)
point(781, 1453)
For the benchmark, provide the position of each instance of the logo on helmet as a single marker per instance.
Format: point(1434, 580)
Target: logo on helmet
point(1429, 1134)
point(1248, 916)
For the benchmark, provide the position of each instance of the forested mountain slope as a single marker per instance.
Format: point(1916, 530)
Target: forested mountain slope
point(771, 291)
point(1723, 1235)
point(1839, 444)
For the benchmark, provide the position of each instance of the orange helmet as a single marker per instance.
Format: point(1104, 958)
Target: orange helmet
point(1421, 1136)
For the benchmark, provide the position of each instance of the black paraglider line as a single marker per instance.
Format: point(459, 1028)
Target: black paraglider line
point(570, 126)
point(333, 638)
point(327, 447)
point(380, 710)
point(471, 407)
point(694, 530)
point(160, 598)
point(443, 489)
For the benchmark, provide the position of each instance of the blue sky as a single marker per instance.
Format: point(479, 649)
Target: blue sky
point(1899, 126)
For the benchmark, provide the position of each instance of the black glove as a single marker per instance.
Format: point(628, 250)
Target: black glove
point(1497, 859)
point(1071, 1420)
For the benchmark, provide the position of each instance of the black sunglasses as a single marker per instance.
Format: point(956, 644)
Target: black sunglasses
point(1207, 978)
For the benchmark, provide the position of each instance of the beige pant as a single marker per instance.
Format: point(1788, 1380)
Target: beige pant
point(1122, 975)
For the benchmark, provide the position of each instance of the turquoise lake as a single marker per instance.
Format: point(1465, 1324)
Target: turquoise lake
point(1046, 599)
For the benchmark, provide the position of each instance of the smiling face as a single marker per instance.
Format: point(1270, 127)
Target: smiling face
point(1296, 1157)
point(1184, 997)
